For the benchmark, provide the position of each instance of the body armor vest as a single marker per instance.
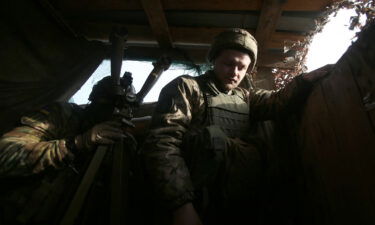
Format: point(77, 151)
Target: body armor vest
point(229, 112)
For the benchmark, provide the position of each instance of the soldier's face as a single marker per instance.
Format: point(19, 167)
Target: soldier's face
point(230, 68)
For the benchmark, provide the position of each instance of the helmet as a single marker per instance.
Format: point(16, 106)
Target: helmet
point(103, 89)
point(236, 38)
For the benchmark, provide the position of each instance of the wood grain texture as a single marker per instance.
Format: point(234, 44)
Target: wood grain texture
point(243, 5)
point(337, 140)
point(197, 55)
point(268, 19)
point(158, 22)
point(180, 35)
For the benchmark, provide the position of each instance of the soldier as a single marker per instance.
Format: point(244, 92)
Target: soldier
point(36, 157)
point(199, 156)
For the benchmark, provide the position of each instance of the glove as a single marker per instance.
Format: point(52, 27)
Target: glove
point(103, 133)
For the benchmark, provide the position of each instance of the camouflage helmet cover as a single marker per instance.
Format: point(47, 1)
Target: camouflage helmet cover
point(234, 39)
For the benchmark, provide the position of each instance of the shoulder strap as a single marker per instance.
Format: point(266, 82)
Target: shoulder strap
point(202, 84)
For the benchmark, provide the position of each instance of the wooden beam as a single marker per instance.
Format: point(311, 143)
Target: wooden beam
point(158, 22)
point(207, 5)
point(269, 16)
point(206, 35)
point(186, 35)
point(271, 59)
point(292, 5)
point(180, 35)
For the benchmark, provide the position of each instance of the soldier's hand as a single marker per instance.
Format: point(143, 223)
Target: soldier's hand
point(103, 133)
point(318, 74)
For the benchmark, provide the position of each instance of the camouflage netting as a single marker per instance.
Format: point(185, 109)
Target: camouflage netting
point(362, 7)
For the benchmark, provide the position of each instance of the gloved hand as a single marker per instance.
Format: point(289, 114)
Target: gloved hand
point(103, 133)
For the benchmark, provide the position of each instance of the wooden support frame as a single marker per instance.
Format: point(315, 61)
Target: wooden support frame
point(207, 5)
point(181, 35)
point(269, 16)
point(270, 59)
point(158, 22)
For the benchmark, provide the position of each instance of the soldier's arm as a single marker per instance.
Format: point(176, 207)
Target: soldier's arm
point(162, 154)
point(266, 104)
point(32, 147)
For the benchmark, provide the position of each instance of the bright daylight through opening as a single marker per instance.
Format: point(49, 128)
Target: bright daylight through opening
point(139, 69)
point(330, 44)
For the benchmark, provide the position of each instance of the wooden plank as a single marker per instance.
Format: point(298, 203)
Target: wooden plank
point(290, 21)
point(331, 162)
point(315, 204)
point(337, 141)
point(180, 35)
point(207, 5)
point(361, 61)
point(292, 5)
point(268, 19)
point(197, 55)
point(141, 36)
point(119, 185)
point(158, 22)
point(206, 35)
point(349, 181)
point(77, 202)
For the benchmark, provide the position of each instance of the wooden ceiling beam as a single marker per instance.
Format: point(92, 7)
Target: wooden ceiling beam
point(207, 5)
point(158, 23)
point(268, 19)
point(180, 35)
point(271, 59)
point(206, 35)
point(292, 5)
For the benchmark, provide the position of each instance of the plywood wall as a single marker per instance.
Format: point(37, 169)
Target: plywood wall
point(336, 142)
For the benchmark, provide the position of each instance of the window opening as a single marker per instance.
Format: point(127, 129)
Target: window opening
point(140, 71)
point(334, 39)
point(334, 33)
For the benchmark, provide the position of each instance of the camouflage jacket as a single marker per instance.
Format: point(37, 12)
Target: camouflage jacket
point(40, 141)
point(181, 108)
